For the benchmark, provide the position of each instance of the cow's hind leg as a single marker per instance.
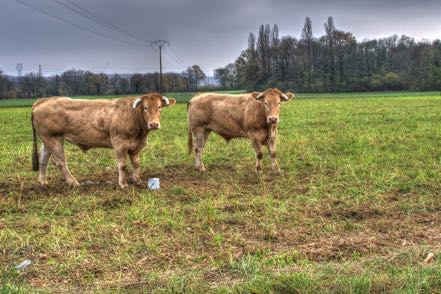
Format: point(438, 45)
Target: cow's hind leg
point(200, 138)
point(44, 160)
point(55, 147)
point(121, 156)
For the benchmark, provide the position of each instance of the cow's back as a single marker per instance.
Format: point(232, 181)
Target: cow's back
point(86, 123)
point(226, 114)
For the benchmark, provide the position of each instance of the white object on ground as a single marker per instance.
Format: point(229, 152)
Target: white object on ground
point(153, 184)
point(23, 265)
point(429, 257)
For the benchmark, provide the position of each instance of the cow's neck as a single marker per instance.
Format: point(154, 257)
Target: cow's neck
point(272, 128)
point(140, 125)
point(255, 114)
point(272, 131)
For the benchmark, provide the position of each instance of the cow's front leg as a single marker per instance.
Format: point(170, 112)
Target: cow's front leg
point(259, 154)
point(272, 153)
point(136, 173)
point(121, 157)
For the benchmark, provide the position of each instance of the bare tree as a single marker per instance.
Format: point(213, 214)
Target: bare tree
point(29, 84)
point(4, 85)
point(98, 84)
point(74, 82)
point(221, 75)
point(308, 38)
point(136, 83)
point(226, 75)
point(330, 29)
point(274, 52)
point(264, 51)
point(195, 74)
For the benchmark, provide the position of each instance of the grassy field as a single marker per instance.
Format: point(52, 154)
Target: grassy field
point(185, 97)
point(357, 209)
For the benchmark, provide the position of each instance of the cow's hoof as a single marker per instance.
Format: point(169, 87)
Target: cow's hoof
point(200, 169)
point(277, 172)
point(123, 186)
point(73, 183)
point(136, 181)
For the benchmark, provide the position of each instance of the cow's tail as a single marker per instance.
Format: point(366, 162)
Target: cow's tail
point(35, 165)
point(190, 134)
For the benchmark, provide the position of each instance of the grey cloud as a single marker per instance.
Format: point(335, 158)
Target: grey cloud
point(208, 33)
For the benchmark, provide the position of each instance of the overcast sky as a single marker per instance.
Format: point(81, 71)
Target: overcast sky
point(208, 33)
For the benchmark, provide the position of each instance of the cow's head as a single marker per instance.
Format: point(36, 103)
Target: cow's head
point(150, 105)
point(271, 99)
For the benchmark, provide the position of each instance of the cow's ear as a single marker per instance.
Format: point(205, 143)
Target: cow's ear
point(287, 96)
point(257, 95)
point(171, 102)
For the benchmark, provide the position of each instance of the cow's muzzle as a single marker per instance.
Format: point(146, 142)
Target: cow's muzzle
point(273, 119)
point(153, 125)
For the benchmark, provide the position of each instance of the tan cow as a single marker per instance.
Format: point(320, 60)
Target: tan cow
point(122, 124)
point(254, 116)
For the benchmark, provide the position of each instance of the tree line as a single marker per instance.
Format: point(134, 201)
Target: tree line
point(79, 82)
point(333, 62)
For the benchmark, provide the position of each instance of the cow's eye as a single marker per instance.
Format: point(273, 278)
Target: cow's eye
point(145, 107)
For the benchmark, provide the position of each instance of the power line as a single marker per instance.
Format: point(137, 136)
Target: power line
point(74, 24)
point(91, 16)
point(172, 60)
point(177, 57)
point(176, 60)
point(163, 56)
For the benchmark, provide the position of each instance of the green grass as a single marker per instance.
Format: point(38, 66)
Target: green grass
point(185, 96)
point(356, 210)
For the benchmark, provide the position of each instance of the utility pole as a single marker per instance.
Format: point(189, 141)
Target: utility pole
point(39, 79)
point(160, 44)
point(19, 68)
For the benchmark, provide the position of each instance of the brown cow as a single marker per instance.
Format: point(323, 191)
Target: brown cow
point(254, 116)
point(122, 124)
